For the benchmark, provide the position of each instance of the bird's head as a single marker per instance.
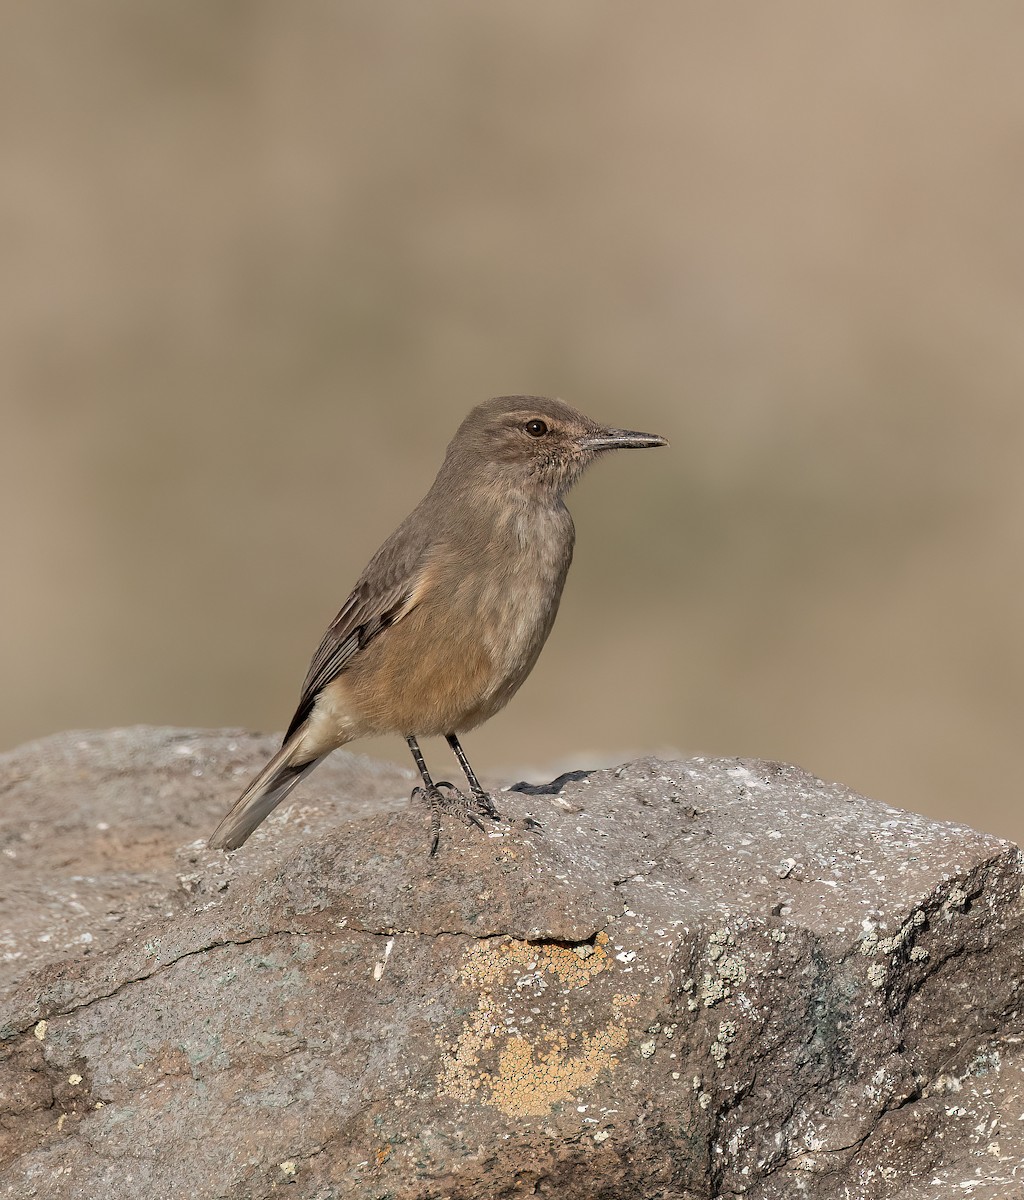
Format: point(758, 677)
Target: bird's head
point(535, 443)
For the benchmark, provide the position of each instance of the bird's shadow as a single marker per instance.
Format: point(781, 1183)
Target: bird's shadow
point(550, 789)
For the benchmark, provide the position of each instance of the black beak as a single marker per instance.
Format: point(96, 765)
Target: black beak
point(620, 439)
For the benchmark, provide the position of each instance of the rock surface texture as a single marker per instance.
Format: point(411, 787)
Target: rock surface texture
point(704, 979)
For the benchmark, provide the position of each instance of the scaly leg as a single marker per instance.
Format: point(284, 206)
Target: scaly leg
point(484, 802)
point(439, 802)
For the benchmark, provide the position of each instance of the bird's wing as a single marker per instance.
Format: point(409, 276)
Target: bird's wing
point(387, 592)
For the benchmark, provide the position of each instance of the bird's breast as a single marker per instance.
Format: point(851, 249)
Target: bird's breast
point(516, 594)
point(487, 605)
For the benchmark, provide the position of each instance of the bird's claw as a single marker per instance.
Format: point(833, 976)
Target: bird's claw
point(485, 805)
point(479, 803)
point(449, 800)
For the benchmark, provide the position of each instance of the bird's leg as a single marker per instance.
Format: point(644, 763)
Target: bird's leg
point(484, 803)
point(438, 801)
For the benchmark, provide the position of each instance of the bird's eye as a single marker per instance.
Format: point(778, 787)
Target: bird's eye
point(535, 428)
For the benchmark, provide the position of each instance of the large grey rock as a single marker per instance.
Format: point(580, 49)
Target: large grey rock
point(706, 978)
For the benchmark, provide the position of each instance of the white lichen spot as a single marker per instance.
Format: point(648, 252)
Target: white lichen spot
point(40, 1030)
point(74, 1080)
point(919, 954)
point(712, 990)
point(985, 1061)
point(647, 1049)
point(876, 975)
point(948, 1083)
point(719, 1047)
point(704, 1100)
point(725, 969)
point(287, 1168)
point(602, 1135)
point(731, 968)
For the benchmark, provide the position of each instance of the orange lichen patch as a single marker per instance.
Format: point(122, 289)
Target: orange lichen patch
point(530, 1082)
point(573, 966)
point(518, 1060)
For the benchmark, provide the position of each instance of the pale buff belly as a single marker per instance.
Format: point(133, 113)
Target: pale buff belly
point(455, 660)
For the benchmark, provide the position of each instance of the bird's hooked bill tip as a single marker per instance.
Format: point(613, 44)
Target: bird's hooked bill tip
point(621, 439)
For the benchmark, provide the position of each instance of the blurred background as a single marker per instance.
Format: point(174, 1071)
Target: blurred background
point(259, 259)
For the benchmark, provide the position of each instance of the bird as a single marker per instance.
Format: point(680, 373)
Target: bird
point(451, 613)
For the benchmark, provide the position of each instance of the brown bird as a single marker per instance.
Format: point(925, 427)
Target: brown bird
point(452, 611)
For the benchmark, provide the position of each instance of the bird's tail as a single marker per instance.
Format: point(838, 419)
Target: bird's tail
point(262, 796)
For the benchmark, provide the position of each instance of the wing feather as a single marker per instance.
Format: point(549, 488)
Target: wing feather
point(387, 591)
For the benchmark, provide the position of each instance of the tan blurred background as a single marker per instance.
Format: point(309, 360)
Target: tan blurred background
point(259, 258)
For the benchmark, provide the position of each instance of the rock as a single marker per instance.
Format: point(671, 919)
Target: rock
point(703, 979)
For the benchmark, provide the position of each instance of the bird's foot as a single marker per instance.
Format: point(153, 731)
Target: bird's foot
point(485, 805)
point(478, 804)
point(445, 797)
